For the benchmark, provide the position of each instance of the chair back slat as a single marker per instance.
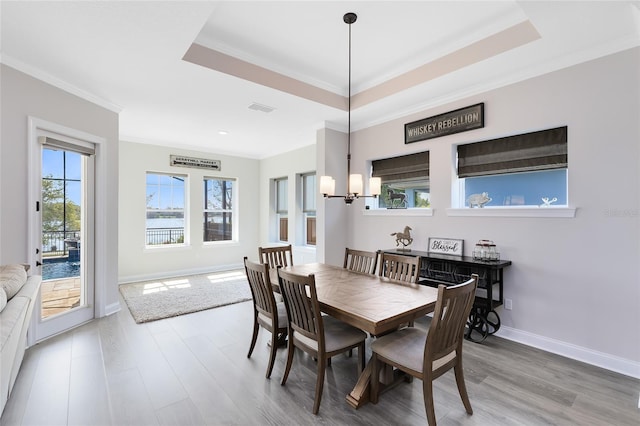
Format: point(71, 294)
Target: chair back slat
point(258, 277)
point(361, 261)
point(400, 268)
point(449, 318)
point(276, 256)
point(301, 301)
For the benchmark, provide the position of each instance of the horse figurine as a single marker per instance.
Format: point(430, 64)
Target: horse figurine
point(403, 238)
point(393, 196)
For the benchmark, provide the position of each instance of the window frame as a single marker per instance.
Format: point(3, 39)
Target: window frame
point(281, 209)
point(309, 213)
point(232, 210)
point(461, 201)
point(185, 216)
point(534, 152)
point(408, 172)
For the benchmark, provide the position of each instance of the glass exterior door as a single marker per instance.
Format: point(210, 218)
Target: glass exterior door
point(66, 224)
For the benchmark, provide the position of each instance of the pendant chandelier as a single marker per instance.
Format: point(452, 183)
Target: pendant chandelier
point(354, 184)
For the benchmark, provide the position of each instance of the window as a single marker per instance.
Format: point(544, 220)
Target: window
point(309, 208)
point(61, 200)
point(282, 208)
point(521, 170)
point(218, 209)
point(405, 181)
point(165, 209)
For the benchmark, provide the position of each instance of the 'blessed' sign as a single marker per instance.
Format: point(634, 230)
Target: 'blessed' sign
point(445, 246)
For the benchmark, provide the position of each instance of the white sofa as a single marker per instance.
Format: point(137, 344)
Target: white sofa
point(18, 294)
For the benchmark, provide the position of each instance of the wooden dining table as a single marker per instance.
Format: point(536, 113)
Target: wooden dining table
point(371, 303)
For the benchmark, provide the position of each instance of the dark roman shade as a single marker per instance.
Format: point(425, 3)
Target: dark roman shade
point(542, 150)
point(402, 169)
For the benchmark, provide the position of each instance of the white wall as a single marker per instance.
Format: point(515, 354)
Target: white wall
point(23, 96)
point(333, 213)
point(574, 282)
point(140, 263)
point(290, 165)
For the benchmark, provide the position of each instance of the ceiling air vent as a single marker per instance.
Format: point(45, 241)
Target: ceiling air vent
point(259, 107)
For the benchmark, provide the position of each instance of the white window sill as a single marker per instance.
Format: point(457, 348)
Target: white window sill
point(225, 243)
point(167, 247)
point(398, 212)
point(514, 212)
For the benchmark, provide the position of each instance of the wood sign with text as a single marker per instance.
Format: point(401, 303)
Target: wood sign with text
point(196, 163)
point(445, 246)
point(460, 120)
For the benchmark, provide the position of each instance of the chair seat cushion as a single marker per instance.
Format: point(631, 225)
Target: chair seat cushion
point(404, 347)
point(282, 317)
point(338, 335)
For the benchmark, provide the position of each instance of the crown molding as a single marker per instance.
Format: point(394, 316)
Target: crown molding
point(596, 52)
point(60, 84)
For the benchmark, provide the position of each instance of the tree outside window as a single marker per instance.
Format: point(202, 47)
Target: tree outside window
point(60, 199)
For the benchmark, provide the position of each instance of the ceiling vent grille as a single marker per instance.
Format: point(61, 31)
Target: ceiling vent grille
point(259, 107)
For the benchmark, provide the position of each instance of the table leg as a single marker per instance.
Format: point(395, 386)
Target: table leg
point(360, 395)
point(281, 341)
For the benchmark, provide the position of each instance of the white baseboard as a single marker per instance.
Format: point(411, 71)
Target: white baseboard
point(112, 309)
point(589, 356)
point(178, 273)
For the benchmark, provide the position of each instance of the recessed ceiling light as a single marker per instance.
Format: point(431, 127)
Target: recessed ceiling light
point(223, 132)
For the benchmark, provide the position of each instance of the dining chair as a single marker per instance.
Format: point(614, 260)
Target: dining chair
point(400, 268)
point(429, 355)
point(267, 313)
point(276, 256)
point(321, 336)
point(365, 262)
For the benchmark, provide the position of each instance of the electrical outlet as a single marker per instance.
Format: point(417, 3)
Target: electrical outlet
point(508, 304)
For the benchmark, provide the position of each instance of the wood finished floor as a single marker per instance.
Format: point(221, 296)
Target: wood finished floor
point(193, 370)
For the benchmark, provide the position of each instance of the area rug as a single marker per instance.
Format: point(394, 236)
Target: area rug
point(165, 298)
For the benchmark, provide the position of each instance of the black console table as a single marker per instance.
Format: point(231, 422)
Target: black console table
point(445, 269)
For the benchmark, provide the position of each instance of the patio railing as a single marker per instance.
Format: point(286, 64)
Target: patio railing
point(156, 236)
point(53, 242)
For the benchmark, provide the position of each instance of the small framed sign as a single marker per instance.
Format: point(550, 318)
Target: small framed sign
point(445, 246)
point(196, 163)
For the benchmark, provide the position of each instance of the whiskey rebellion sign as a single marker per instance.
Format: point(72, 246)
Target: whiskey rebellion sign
point(460, 120)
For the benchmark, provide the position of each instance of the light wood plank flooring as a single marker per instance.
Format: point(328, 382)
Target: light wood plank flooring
point(193, 370)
